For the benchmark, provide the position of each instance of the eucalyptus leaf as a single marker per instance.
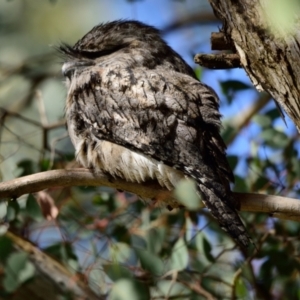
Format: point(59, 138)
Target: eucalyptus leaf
point(116, 271)
point(18, 269)
point(126, 289)
point(150, 262)
point(179, 256)
point(186, 194)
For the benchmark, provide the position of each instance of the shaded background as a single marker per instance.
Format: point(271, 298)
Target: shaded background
point(263, 151)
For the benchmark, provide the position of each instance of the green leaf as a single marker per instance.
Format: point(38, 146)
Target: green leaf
point(260, 183)
point(228, 134)
point(18, 269)
point(150, 262)
point(64, 252)
point(120, 252)
point(116, 271)
point(274, 138)
point(207, 250)
point(240, 184)
point(186, 194)
point(198, 72)
point(13, 209)
point(6, 248)
point(273, 113)
point(169, 289)
point(33, 209)
point(229, 87)
point(138, 241)
point(262, 120)
point(179, 256)
point(126, 289)
point(233, 161)
point(241, 289)
point(233, 85)
point(27, 167)
point(155, 239)
point(204, 246)
point(3, 229)
point(44, 165)
point(3, 210)
point(121, 234)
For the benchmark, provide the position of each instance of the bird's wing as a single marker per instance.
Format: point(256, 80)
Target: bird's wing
point(168, 116)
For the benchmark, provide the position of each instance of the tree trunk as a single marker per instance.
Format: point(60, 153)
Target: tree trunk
point(269, 53)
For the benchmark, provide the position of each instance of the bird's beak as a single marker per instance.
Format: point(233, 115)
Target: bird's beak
point(69, 68)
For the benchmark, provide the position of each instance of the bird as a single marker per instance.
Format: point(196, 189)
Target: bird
point(135, 110)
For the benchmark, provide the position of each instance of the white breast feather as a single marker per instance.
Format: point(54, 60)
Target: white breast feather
point(121, 162)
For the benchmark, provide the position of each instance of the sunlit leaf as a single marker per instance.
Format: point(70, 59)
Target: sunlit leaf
point(125, 289)
point(198, 72)
point(186, 194)
point(262, 120)
point(180, 255)
point(3, 210)
point(120, 252)
point(170, 288)
point(241, 289)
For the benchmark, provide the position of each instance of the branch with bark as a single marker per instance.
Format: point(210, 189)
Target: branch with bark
point(52, 278)
point(269, 54)
point(275, 206)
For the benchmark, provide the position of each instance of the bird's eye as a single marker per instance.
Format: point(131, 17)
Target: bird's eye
point(68, 69)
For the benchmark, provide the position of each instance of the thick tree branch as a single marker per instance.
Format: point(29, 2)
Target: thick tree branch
point(52, 278)
point(74, 177)
point(277, 206)
point(269, 54)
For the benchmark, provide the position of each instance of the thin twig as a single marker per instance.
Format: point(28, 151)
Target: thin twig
point(197, 288)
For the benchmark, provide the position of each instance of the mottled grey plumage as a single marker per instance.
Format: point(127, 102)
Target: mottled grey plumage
point(136, 110)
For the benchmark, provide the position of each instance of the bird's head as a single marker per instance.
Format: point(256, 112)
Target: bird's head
point(138, 44)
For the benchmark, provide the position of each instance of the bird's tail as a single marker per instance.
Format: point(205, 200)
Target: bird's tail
point(221, 206)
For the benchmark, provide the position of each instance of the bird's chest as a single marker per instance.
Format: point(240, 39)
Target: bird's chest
point(116, 160)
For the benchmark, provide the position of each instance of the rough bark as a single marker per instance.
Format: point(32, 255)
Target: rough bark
point(271, 59)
